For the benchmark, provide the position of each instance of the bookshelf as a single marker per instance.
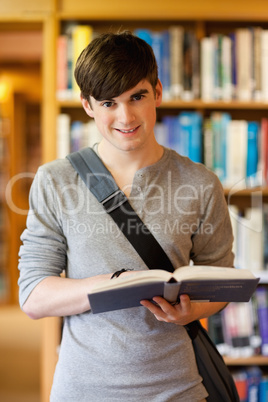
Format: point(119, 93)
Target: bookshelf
point(203, 18)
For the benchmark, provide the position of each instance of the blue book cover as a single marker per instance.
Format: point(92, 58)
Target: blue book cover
point(156, 41)
point(191, 134)
point(171, 140)
point(254, 375)
point(219, 124)
point(252, 154)
point(145, 34)
point(184, 134)
point(226, 118)
point(166, 65)
point(158, 48)
point(263, 390)
point(76, 134)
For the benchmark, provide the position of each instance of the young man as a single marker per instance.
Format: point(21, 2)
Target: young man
point(143, 353)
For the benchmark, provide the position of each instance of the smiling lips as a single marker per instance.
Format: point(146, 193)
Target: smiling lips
point(127, 131)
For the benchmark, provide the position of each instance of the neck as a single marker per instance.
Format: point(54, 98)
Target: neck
point(121, 161)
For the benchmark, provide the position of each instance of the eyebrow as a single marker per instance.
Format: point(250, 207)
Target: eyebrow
point(139, 92)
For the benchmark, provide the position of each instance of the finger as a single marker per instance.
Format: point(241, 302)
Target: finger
point(151, 306)
point(185, 303)
point(165, 306)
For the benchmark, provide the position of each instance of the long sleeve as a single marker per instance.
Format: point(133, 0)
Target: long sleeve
point(43, 252)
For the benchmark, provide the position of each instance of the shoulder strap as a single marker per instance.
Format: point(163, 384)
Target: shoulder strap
point(101, 183)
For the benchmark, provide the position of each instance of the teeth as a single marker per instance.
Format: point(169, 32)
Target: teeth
point(127, 131)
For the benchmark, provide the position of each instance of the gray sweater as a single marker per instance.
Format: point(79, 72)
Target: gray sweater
point(124, 355)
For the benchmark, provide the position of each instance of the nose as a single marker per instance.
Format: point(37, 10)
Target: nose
point(125, 114)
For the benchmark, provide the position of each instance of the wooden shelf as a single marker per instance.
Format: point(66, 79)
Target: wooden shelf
point(247, 361)
point(194, 104)
point(247, 192)
point(143, 10)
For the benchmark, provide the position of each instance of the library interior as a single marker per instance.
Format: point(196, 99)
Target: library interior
point(213, 64)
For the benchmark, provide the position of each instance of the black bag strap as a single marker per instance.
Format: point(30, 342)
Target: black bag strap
point(101, 183)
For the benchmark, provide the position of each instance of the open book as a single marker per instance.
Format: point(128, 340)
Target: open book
point(201, 283)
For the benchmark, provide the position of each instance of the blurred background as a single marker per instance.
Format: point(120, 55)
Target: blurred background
point(220, 53)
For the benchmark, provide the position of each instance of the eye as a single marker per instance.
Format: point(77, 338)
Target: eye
point(138, 97)
point(107, 104)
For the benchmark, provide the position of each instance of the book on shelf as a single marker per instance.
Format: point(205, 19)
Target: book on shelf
point(219, 126)
point(207, 68)
point(183, 133)
point(81, 37)
point(187, 67)
point(252, 153)
point(248, 383)
point(249, 237)
point(63, 135)
point(263, 389)
point(265, 236)
point(236, 152)
point(217, 67)
point(263, 159)
point(217, 71)
point(234, 336)
point(244, 59)
point(261, 295)
point(166, 65)
point(62, 67)
point(215, 331)
point(176, 56)
point(226, 63)
point(239, 335)
point(264, 64)
point(190, 128)
point(69, 46)
point(257, 64)
point(74, 135)
point(208, 143)
point(201, 283)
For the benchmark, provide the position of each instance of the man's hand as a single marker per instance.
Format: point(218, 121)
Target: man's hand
point(183, 312)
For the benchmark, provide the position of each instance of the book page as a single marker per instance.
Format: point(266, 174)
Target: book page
point(137, 278)
point(200, 272)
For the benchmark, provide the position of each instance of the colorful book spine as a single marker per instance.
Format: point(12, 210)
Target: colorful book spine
point(187, 62)
point(264, 64)
point(219, 126)
point(263, 163)
point(190, 127)
point(207, 68)
point(236, 155)
point(176, 56)
point(262, 309)
point(263, 389)
point(62, 67)
point(81, 37)
point(244, 58)
point(226, 62)
point(166, 65)
point(252, 153)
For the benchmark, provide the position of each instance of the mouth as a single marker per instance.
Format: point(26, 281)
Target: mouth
point(127, 132)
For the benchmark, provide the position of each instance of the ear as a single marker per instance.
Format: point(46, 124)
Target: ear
point(87, 107)
point(158, 93)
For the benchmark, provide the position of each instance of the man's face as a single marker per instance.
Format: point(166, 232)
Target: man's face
point(127, 121)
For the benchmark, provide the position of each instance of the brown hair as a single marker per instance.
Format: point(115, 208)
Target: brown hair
point(114, 63)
